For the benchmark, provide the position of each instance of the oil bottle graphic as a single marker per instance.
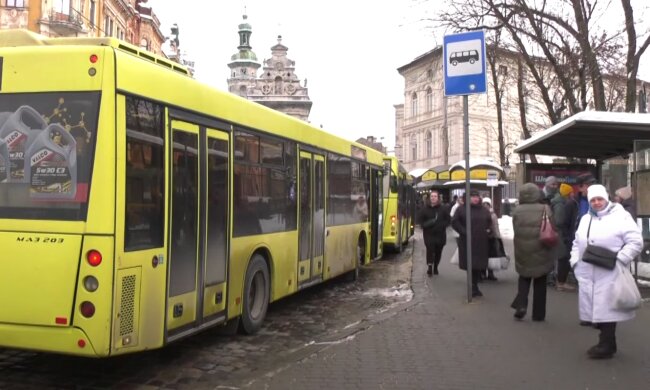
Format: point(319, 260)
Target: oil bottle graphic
point(4, 152)
point(52, 161)
point(18, 132)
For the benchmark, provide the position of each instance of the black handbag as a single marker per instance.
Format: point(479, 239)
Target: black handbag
point(599, 256)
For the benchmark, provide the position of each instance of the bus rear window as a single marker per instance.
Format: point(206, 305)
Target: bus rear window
point(47, 142)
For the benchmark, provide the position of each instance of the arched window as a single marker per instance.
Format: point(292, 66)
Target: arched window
point(428, 142)
point(242, 90)
point(144, 44)
point(414, 104)
point(429, 100)
point(414, 147)
point(278, 85)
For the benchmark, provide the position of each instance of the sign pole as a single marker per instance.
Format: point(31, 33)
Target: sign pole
point(464, 70)
point(468, 201)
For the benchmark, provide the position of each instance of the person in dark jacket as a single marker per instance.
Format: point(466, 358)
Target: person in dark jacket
point(481, 223)
point(434, 219)
point(533, 261)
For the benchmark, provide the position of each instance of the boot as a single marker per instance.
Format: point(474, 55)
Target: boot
point(476, 292)
point(429, 270)
point(606, 347)
point(520, 313)
point(435, 269)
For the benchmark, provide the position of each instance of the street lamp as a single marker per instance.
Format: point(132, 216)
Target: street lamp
point(506, 168)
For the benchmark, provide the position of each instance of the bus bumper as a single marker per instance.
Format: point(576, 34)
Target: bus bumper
point(65, 340)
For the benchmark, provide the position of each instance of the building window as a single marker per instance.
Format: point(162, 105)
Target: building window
point(430, 74)
point(414, 147)
point(428, 141)
point(144, 44)
point(429, 100)
point(60, 6)
point(503, 70)
point(91, 15)
point(16, 3)
point(414, 104)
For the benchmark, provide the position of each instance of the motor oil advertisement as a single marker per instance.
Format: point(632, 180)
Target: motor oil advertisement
point(53, 164)
point(46, 147)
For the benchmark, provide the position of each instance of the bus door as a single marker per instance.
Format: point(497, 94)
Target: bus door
point(184, 240)
point(377, 213)
point(198, 244)
point(311, 246)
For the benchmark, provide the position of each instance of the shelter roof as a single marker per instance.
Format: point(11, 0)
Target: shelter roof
point(597, 135)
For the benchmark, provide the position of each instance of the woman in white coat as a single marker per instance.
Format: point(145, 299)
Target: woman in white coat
point(609, 226)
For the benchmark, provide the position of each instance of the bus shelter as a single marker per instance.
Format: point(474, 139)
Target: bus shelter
point(433, 179)
point(617, 145)
point(479, 171)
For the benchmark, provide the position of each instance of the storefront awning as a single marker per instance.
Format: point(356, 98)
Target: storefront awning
point(597, 135)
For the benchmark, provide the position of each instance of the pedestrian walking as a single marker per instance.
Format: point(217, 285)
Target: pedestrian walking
point(607, 225)
point(481, 224)
point(496, 233)
point(551, 185)
point(558, 205)
point(533, 261)
point(434, 219)
point(627, 200)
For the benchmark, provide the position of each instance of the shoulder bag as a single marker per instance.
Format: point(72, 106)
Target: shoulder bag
point(597, 255)
point(547, 234)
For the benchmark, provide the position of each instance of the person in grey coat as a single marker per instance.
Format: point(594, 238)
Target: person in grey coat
point(481, 222)
point(533, 261)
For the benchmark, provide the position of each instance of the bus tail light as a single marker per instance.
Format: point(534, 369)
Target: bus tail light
point(94, 257)
point(393, 219)
point(93, 58)
point(87, 309)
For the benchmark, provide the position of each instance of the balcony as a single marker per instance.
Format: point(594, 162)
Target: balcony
point(66, 24)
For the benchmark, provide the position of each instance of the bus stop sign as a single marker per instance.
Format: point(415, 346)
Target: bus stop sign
point(463, 63)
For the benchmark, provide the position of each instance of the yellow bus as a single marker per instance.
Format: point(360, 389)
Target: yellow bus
point(399, 205)
point(138, 206)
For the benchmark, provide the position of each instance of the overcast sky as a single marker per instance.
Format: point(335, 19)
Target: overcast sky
point(348, 50)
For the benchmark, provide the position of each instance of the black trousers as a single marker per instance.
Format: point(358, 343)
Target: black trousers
point(539, 296)
point(434, 251)
point(563, 267)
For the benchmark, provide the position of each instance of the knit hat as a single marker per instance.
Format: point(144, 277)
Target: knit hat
point(565, 189)
point(585, 178)
point(597, 190)
point(551, 180)
point(474, 193)
point(624, 192)
point(487, 200)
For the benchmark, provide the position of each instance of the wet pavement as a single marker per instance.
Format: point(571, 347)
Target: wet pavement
point(295, 328)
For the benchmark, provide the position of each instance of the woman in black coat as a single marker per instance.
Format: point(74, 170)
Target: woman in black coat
point(481, 221)
point(434, 219)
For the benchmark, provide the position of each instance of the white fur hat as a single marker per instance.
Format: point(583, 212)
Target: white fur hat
point(487, 200)
point(597, 190)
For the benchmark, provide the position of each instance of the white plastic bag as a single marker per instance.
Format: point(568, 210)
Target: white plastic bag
point(454, 257)
point(625, 292)
point(498, 263)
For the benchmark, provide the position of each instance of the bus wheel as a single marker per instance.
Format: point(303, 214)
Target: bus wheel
point(361, 255)
point(256, 295)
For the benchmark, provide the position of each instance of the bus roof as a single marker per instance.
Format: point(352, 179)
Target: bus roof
point(22, 37)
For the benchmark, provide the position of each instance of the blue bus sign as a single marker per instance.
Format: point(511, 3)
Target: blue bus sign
point(464, 63)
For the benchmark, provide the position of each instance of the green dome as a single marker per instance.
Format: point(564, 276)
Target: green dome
point(244, 55)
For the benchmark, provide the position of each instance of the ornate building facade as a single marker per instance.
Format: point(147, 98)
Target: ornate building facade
point(429, 127)
point(130, 20)
point(277, 87)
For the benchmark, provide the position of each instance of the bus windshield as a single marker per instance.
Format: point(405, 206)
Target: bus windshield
point(47, 142)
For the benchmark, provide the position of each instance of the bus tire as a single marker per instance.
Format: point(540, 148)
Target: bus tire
point(256, 295)
point(361, 254)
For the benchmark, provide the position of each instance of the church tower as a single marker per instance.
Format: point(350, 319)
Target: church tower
point(243, 65)
point(278, 87)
